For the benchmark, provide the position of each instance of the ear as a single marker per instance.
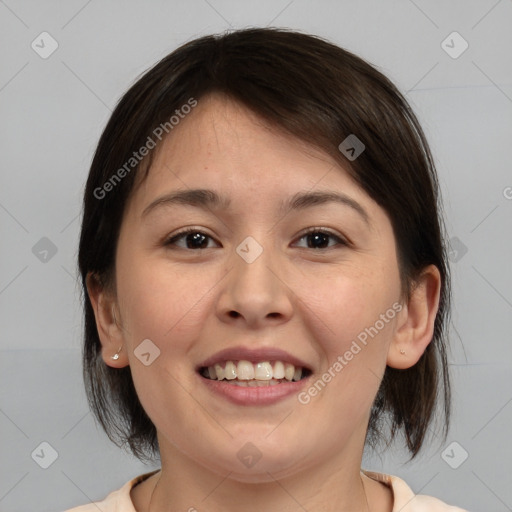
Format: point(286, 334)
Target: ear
point(415, 324)
point(107, 323)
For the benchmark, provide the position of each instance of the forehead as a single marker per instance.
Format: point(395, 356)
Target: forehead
point(222, 145)
point(225, 131)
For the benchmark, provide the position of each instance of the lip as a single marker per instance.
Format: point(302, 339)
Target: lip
point(265, 395)
point(253, 355)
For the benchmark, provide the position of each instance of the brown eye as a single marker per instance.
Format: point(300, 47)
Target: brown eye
point(320, 239)
point(193, 239)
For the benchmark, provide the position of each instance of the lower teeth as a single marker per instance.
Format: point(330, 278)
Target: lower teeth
point(251, 382)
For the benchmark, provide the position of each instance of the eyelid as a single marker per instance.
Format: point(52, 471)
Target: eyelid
point(319, 229)
point(342, 240)
point(168, 240)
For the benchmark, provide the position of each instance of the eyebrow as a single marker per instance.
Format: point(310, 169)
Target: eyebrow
point(210, 200)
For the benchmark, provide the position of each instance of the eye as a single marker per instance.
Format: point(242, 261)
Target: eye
point(318, 238)
point(193, 239)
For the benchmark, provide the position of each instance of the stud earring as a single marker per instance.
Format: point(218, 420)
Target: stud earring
point(402, 351)
point(115, 357)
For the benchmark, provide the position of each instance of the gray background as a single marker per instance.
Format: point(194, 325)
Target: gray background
point(52, 113)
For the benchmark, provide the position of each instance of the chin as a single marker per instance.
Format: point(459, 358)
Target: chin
point(250, 464)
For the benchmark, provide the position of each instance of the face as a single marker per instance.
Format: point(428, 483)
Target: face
point(266, 275)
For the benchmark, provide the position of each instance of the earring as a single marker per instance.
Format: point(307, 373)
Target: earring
point(402, 351)
point(115, 357)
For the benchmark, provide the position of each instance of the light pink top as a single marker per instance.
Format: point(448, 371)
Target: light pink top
point(404, 499)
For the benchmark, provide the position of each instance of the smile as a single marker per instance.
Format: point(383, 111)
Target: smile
point(247, 374)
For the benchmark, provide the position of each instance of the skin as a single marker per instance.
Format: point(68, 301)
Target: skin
point(311, 302)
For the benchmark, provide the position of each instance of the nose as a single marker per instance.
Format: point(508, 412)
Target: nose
point(256, 293)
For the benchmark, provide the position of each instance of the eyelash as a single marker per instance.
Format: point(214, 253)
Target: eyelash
point(186, 231)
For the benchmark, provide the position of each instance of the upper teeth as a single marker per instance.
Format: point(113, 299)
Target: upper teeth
point(245, 370)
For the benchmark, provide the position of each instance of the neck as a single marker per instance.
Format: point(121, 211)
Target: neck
point(183, 484)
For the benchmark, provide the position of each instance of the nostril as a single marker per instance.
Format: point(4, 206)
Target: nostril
point(234, 314)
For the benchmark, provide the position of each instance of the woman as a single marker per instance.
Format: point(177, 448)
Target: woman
point(265, 279)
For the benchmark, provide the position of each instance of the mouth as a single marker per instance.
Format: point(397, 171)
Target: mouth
point(245, 373)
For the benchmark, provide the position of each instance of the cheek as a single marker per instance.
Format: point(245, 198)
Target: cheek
point(166, 306)
point(163, 302)
point(355, 302)
point(354, 329)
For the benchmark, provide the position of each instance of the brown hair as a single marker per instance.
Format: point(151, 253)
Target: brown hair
point(319, 93)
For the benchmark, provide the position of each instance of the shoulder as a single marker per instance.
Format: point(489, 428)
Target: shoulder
point(116, 501)
point(406, 501)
